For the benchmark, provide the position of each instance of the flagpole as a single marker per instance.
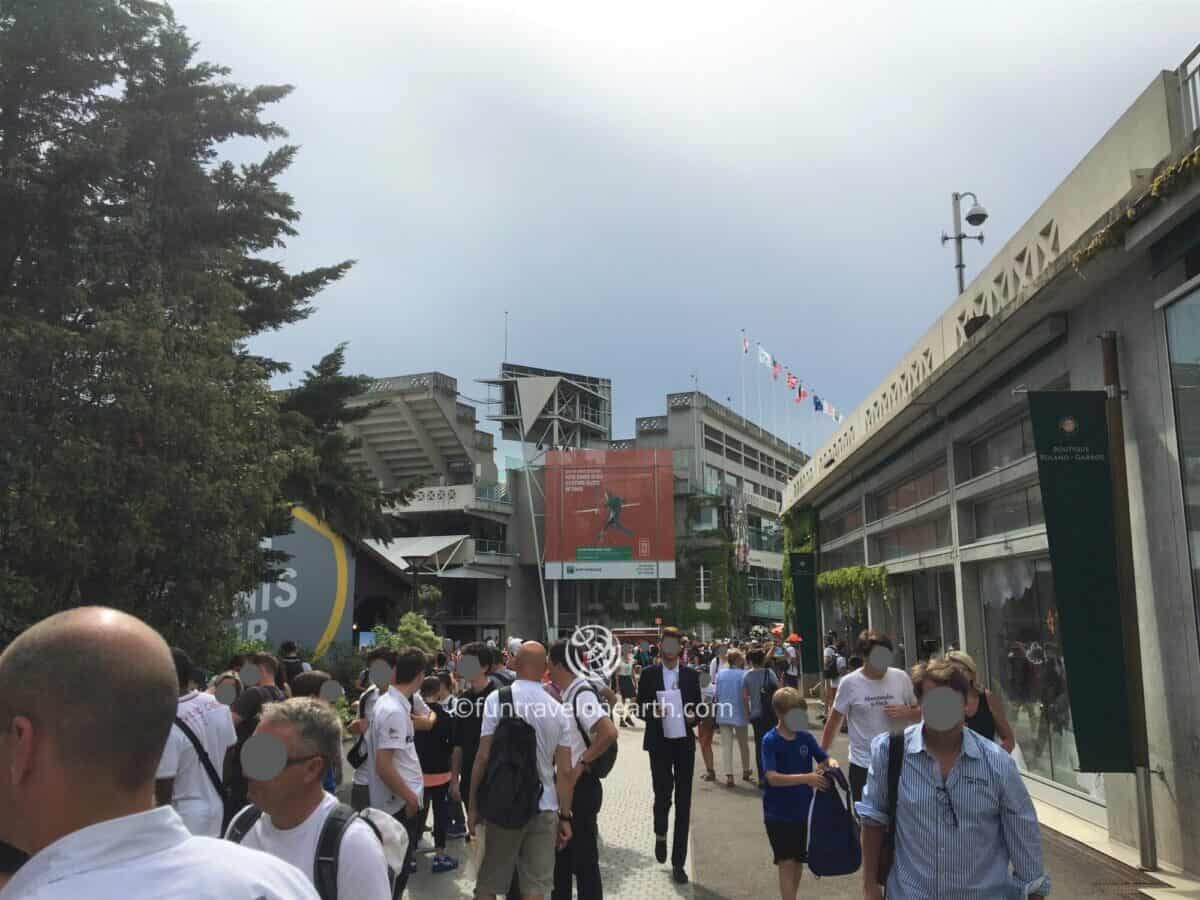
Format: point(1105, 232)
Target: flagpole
point(758, 390)
point(745, 353)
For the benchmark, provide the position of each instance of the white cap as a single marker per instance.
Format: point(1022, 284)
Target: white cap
point(514, 645)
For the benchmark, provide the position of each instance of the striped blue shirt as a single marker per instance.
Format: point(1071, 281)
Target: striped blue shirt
point(957, 837)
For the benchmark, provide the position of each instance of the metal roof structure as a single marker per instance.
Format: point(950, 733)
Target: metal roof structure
point(550, 408)
point(420, 432)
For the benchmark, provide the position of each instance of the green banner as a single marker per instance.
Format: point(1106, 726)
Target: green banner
point(807, 618)
point(1071, 437)
point(603, 554)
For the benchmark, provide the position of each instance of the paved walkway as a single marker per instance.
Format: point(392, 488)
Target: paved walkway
point(730, 857)
point(627, 859)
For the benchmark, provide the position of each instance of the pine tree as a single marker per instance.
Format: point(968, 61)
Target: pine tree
point(142, 453)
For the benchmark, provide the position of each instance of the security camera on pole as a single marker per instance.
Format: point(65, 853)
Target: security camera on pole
point(976, 216)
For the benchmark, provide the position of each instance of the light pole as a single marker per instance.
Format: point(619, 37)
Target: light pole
point(976, 216)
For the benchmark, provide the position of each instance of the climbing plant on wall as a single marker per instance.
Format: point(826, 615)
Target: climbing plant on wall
point(852, 586)
point(799, 536)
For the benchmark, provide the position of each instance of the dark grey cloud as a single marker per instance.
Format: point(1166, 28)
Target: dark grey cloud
point(637, 182)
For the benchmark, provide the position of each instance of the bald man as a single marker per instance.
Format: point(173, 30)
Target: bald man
point(530, 849)
point(87, 699)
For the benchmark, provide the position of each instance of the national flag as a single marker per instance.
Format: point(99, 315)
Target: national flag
point(745, 344)
point(764, 357)
point(818, 406)
point(802, 393)
point(799, 397)
point(776, 368)
point(792, 381)
point(838, 418)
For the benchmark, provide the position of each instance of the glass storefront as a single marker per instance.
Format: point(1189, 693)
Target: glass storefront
point(935, 613)
point(1183, 343)
point(1027, 669)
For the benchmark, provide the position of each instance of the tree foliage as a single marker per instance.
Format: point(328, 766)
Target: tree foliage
point(321, 477)
point(412, 630)
point(142, 454)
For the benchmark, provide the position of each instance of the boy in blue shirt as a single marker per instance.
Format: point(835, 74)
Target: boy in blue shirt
point(788, 756)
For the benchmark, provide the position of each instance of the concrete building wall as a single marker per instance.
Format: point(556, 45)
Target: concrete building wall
point(1167, 607)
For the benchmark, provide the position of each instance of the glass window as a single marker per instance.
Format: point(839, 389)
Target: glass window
point(850, 555)
point(1183, 345)
point(1009, 512)
point(1027, 671)
point(842, 523)
point(909, 493)
point(712, 480)
point(912, 539)
point(1002, 447)
point(926, 617)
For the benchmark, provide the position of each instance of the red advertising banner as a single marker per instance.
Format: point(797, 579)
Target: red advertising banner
point(610, 514)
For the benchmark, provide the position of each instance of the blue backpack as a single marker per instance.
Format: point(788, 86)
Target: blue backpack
point(834, 846)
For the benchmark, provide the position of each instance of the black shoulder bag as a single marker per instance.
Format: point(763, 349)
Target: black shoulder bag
point(602, 764)
point(203, 754)
point(887, 851)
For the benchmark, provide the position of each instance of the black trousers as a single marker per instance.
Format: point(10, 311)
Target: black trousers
point(579, 861)
point(761, 727)
point(671, 768)
point(858, 781)
point(439, 799)
point(413, 825)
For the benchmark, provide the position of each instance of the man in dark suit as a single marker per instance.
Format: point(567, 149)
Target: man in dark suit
point(671, 743)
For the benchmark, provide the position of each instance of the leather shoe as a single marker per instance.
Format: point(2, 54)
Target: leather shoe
point(679, 875)
point(660, 850)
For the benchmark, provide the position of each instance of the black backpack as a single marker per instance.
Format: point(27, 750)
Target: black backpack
point(602, 764)
point(329, 843)
point(511, 789)
point(292, 666)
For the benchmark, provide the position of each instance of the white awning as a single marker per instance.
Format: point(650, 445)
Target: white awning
point(471, 572)
point(433, 552)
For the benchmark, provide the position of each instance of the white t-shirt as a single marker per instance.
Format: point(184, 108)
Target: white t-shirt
point(392, 729)
point(862, 701)
point(830, 656)
point(366, 705)
point(152, 854)
point(584, 707)
point(793, 660)
point(195, 798)
point(362, 869)
point(549, 721)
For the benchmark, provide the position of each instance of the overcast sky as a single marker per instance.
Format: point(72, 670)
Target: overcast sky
point(638, 180)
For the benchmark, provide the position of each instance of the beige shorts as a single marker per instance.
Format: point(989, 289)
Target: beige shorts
point(530, 850)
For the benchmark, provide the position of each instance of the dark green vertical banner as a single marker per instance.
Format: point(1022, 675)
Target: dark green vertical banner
point(1070, 434)
point(804, 603)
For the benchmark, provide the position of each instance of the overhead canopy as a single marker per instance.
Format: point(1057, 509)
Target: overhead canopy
point(428, 553)
point(472, 573)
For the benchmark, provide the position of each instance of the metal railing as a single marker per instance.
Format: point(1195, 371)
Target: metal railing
point(767, 541)
point(494, 493)
point(1189, 91)
point(498, 548)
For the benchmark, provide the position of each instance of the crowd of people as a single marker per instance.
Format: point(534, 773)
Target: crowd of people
point(127, 770)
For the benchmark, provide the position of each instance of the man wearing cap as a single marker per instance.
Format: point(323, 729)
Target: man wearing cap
point(668, 700)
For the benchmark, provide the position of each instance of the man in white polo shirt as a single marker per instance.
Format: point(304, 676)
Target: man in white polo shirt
point(189, 773)
point(87, 699)
point(396, 782)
